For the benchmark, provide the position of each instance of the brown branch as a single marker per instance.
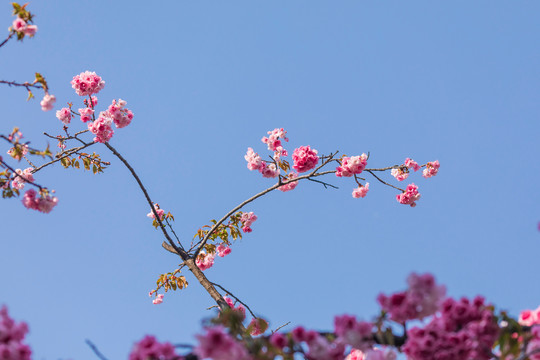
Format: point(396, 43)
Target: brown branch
point(66, 154)
point(7, 39)
point(26, 85)
point(314, 173)
point(385, 183)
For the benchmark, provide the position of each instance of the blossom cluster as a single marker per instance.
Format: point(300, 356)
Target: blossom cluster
point(247, 220)
point(87, 84)
point(21, 178)
point(205, 261)
point(150, 348)
point(44, 203)
point(217, 344)
point(305, 158)
point(463, 330)
point(159, 211)
point(432, 168)
point(351, 165)
point(361, 191)
point(21, 26)
point(420, 300)
point(410, 196)
point(12, 335)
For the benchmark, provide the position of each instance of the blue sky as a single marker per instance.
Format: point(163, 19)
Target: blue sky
point(457, 82)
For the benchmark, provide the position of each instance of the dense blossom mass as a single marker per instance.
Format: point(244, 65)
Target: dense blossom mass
point(410, 196)
point(432, 168)
point(360, 191)
point(305, 158)
point(422, 299)
point(87, 83)
point(351, 165)
point(42, 203)
point(150, 348)
point(12, 336)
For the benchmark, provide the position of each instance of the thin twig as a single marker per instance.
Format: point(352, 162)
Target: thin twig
point(385, 183)
point(237, 299)
point(26, 85)
point(7, 39)
point(95, 350)
point(325, 184)
point(180, 252)
point(65, 153)
point(281, 327)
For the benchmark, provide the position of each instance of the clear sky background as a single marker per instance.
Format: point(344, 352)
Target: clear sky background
point(454, 81)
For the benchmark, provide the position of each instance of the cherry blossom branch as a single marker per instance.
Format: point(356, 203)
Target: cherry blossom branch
point(236, 298)
point(7, 39)
point(26, 84)
point(188, 260)
point(65, 153)
point(314, 173)
point(180, 252)
point(22, 177)
point(382, 181)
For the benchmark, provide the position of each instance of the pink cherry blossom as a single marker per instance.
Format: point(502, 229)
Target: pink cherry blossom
point(304, 158)
point(420, 300)
point(290, 186)
point(355, 355)
point(44, 204)
point(360, 191)
point(269, 170)
point(463, 329)
point(150, 348)
point(12, 336)
point(19, 25)
point(158, 300)
point(400, 173)
point(101, 128)
point(218, 345)
point(253, 159)
point(30, 30)
point(87, 83)
point(410, 163)
point(205, 261)
point(279, 340)
point(351, 165)
point(240, 309)
point(92, 103)
point(159, 211)
point(273, 140)
point(86, 114)
point(64, 115)
point(258, 326)
point(530, 317)
point(24, 176)
point(48, 102)
point(353, 332)
point(410, 196)
point(223, 250)
point(432, 168)
point(119, 113)
point(18, 155)
point(247, 219)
